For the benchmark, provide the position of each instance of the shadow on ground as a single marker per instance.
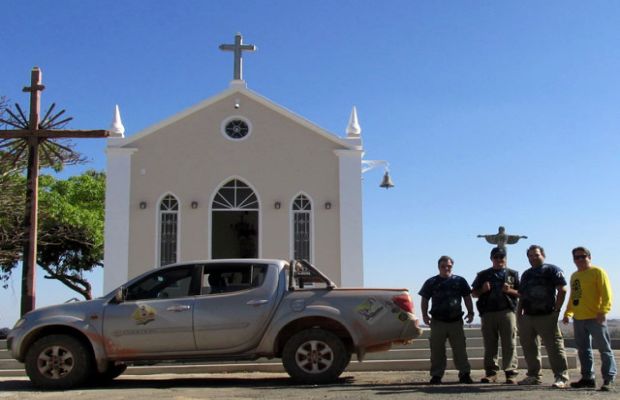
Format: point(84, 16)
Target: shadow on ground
point(345, 384)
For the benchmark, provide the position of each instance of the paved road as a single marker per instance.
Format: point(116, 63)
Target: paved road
point(277, 386)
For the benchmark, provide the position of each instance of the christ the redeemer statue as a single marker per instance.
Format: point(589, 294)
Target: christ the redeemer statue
point(501, 239)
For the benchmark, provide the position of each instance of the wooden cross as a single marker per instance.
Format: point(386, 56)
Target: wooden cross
point(237, 48)
point(34, 135)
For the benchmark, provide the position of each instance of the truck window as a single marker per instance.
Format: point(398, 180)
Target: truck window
point(228, 278)
point(166, 284)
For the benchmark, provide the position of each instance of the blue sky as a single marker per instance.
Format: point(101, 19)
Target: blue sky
point(490, 113)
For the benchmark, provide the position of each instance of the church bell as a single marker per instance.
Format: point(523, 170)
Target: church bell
point(387, 181)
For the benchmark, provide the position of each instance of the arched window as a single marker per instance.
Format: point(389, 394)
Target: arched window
point(235, 195)
point(301, 227)
point(168, 230)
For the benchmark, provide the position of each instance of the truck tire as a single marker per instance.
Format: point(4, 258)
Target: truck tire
point(58, 362)
point(314, 356)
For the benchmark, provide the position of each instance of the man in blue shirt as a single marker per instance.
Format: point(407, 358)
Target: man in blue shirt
point(542, 293)
point(445, 292)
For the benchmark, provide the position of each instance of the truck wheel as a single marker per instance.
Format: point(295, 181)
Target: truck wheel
point(58, 362)
point(346, 364)
point(314, 356)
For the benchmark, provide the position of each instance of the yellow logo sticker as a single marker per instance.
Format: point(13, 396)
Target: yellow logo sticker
point(144, 314)
point(370, 309)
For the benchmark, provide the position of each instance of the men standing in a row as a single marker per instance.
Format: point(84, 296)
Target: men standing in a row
point(542, 293)
point(589, 303)
point(497, 291)
point(445, 291)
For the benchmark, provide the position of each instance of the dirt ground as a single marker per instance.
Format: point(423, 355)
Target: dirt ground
point(277, 386)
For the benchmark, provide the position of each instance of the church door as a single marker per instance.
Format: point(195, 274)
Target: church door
point(234, 222)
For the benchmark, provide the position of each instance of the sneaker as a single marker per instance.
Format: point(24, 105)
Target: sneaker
point(583, 383)
point(489, 379)
point(607, 386)
point(559, 383)
point(530, 380)
point(466, 379)
point(511, 377)
point(435, 380)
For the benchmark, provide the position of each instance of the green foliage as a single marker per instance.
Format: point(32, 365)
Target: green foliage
point(70, 230)
point(71, 222)
point(12, 197)
point(12, 187)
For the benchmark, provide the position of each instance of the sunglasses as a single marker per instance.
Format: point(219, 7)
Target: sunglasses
point(580, 257)
point(498, 257)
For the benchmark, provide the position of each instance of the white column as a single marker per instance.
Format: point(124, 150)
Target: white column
point(350, 209)
point(117, 208)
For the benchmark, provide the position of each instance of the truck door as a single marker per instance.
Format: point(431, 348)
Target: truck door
point(156, 315)
point(236, 303)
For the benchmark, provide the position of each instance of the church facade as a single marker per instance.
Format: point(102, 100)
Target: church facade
point(236, 176)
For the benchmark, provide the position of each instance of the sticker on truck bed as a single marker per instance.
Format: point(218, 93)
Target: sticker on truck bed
point(371, 309)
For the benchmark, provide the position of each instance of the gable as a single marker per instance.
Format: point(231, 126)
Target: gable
point(224, 104)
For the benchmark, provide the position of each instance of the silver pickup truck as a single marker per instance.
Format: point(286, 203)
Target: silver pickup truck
point(218, 310)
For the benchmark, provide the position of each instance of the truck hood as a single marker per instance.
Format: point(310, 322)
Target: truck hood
point(78, 310)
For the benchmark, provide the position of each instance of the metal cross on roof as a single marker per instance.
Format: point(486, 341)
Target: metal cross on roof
point(237, 48)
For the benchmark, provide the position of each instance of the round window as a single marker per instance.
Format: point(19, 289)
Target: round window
point(237, 129)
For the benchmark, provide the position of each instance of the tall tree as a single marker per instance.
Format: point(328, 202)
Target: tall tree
point(36, 136)
point(11, 219)
point(11, 214)
point(72, 226)
point(13, 162)
point(70, 229)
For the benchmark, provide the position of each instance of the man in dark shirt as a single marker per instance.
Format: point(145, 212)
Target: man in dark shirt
point(445, 291)
point(497, 291)
point(542, 293)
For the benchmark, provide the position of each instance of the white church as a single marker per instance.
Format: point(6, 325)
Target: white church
point(235, 176)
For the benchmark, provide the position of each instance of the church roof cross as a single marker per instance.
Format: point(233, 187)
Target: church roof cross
point(237, 49)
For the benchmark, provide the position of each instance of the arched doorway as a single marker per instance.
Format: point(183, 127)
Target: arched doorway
point(234, 221)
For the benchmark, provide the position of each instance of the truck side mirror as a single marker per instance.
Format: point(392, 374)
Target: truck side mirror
point(119, 296)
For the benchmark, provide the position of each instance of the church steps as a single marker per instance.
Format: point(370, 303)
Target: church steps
point(472, 352)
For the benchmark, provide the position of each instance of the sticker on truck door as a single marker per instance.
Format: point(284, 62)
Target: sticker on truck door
point(144, 314)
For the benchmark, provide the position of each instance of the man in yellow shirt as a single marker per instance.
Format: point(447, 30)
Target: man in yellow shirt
point(589, 304)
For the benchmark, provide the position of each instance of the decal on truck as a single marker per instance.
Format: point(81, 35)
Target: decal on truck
point(144, 314)
point(371, 309)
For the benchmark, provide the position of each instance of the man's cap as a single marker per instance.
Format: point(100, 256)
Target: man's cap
point(498, 251)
